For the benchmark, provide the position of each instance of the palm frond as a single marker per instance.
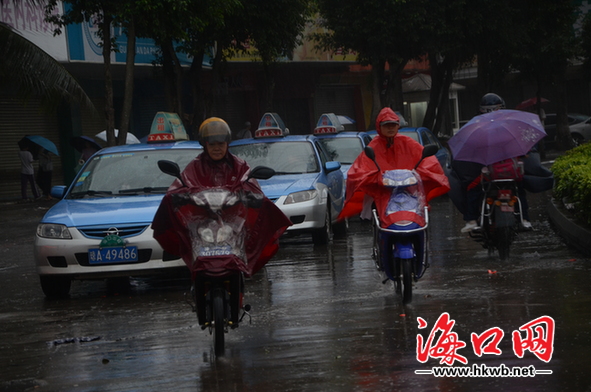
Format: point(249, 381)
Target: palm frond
point(31, 71)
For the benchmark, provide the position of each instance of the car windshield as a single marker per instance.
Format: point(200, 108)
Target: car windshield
point(413, 134)
point(128, 173)
point(283, 157)
point(342, 149)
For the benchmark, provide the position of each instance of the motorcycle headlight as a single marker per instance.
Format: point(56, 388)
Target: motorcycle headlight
point(50, 230)
point(298, 197)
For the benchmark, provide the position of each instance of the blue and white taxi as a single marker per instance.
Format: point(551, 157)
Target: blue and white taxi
point(308, 185)
point(101, 226)
point(342, 146)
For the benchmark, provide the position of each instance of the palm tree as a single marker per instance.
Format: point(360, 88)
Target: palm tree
point(31, 71)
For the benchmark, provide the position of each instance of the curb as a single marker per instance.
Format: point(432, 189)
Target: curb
point(574, 235)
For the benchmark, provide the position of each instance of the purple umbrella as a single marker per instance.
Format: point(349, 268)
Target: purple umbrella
point(497, 135)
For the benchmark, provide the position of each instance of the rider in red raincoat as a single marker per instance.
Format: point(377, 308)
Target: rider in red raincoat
point(218, 168)
point(392, 151)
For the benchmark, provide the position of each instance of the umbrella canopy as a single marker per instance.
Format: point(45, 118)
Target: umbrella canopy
point(44, 143)
point(530, 102)
point(495, 136)
point(131, 138)
point(79, 142)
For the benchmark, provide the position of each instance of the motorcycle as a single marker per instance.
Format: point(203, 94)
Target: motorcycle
point(400, 250)
point(215, 219)
point(500, 211)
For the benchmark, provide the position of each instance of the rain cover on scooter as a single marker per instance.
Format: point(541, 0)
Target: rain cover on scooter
point(364, 178)
point(407, 200)
point(220, 222)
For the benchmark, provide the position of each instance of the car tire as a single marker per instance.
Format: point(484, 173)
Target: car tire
point(323, 235)
point(577, 139)
point(55, 286)
point(340, 229)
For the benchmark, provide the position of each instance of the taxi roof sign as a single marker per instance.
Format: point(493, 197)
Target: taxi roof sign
point(271, 125)
point(167, 127)
point(328, 123)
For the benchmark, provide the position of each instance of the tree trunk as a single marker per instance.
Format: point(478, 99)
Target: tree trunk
point(434, 92)
point(563, 138)
point(269, 88)
point(109, 110)
point(443, 124)
point(198, 114)
point(128, 94)
point(377, 76)
point(169, 78)
point(394, 97)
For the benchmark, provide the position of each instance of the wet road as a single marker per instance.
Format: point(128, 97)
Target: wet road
point(322, 320)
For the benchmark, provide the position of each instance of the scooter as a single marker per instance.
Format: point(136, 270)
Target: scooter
point(400, 250)
point(216, 222)
point(500, 211)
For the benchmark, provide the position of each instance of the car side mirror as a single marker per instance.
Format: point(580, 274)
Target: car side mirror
point(58, 191)
point(332, 166)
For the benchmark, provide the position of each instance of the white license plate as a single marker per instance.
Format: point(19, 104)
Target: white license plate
point(215, 251)
point(117, 254)
point(506, 208)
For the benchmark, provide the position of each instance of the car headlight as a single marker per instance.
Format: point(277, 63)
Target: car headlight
point(298, 197)
point(50, 230)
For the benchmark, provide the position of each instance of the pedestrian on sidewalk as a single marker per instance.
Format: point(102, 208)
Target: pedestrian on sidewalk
point(45, 173)
point(27, 173)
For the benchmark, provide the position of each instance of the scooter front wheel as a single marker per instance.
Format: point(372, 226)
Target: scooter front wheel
point(406, 280)
point(218, 321)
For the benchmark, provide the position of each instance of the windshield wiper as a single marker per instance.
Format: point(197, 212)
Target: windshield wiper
point(147, 189)
point(91, 192)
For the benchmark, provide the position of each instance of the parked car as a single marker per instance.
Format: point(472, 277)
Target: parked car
point(308, 186)
point(342, 146)
point(425, 136)
point(101, 226)
point(579, 126)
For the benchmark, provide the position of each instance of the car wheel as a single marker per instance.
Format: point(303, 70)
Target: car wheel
point(577, 139)
point(340, 229)
point(323, 235)
point(55, 286)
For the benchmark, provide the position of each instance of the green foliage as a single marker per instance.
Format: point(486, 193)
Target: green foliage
point(572, 175)
point(29, 70)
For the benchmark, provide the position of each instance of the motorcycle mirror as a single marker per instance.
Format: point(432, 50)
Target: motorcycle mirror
point(261, 173)
point(371, 154)
point(428, 150)
point(170, 168)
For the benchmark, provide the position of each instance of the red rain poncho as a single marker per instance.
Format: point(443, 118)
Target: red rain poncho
point(402, 153)
point(264, 224)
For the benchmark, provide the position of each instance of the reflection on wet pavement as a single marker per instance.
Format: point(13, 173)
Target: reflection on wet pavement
point(321, 320)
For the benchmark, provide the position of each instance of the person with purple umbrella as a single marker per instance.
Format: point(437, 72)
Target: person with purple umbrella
point(465, 179)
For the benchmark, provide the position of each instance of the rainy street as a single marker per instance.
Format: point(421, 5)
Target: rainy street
point(321, 319)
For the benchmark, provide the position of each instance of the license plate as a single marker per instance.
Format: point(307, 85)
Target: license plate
point(117, 254)
point(506, 208)
point(215, 250)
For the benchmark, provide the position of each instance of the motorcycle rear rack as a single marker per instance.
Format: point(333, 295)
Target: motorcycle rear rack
point(377, 221)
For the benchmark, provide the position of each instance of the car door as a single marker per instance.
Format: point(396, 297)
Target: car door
point(334, 181)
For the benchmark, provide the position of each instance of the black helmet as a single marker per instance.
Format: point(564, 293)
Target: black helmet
point(214, 130)
point(491, 102)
